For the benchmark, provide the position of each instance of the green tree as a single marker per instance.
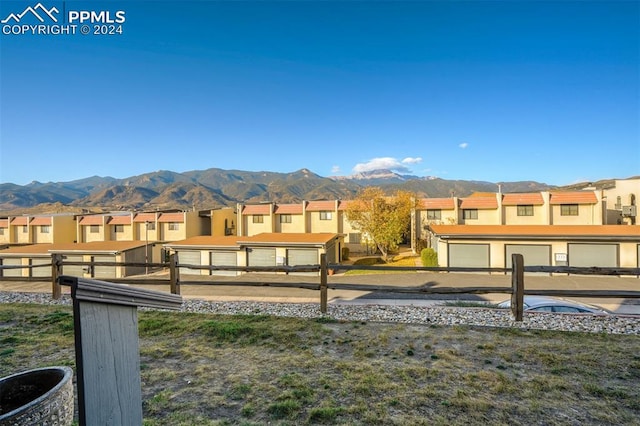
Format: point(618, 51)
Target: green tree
point(382, 219)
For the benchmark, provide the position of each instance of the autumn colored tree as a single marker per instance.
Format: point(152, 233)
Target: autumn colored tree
point(382, 219)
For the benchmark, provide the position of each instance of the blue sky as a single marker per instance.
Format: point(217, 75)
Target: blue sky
point(493, 91)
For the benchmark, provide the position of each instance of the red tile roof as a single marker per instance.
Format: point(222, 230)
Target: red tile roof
point(288, 209)
point(267, 238)
point(91, 247)
point(207, 241)
point(119, 220)
point(171, 217)
point(4, 223)
point(533, 198)
point(319, 206)
point(344, 204)
point(566, 231)
point(483, 194)
point(22, 220)
point(436, 203)
point(576, 197)
point(288, 238)
point(479, 203)
point(256, 209)
point(91, 220)
point(42, 220)
point(144, 217)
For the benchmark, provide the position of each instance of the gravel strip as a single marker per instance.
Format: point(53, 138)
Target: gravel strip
point(436, 315)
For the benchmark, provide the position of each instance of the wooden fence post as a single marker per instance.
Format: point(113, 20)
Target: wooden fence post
point(517, 284)
point(323, 283)
point(174, 274)
point(107, 348)
point(56, 271)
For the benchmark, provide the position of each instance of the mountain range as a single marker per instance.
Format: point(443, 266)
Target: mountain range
point(212, 188)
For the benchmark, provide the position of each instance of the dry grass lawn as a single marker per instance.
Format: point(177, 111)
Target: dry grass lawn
point(200, 369)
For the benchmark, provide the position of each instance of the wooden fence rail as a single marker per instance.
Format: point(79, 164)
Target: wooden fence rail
point(517, 289)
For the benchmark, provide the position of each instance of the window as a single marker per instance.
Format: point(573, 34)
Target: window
point(325, 215)
point(94, 229)
point(434, 214)
point(354, 237)
point(118, 228)
point(45, 229)
point(174, 226)
point(1, 231)
point(525, 210)
point(285, 218)
point(568, 210)
point(151, 226)
point(25, 229)
point(258, 218)
point(470, 213)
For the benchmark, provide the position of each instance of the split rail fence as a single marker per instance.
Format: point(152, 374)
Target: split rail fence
point(516, 290)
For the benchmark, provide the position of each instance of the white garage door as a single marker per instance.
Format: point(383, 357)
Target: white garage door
point(104, 272)
point(41, 271)
point(11, 272)
point(534, 255)
point(261, 257)
point(189, 258)
point(296, 257)
point(469, 255)
point(587, 255)
point(73, 270)
point(224, 258)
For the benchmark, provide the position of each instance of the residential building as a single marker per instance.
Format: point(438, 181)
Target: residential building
point(622, 200)
point(38, 229)
point(96, 251)
point(143, 226)
point(223, 221)
point(542, 245)
point(266, 249)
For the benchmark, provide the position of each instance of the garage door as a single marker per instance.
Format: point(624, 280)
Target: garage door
point(469, 255)
point(41, 271)
point(224, 258)
point(189, 258)
point(534, 255)
point(261, 257)
point(73, 270)
point(297, 257)
point(104, 272)
point(587, 255)
point(11, 272)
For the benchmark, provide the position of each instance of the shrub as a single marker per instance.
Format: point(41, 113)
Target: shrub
point(429, 257)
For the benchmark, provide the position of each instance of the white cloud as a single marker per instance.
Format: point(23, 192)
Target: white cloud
point(463, 145)
point(387, 163)
point(412, 160)
point(335, 170)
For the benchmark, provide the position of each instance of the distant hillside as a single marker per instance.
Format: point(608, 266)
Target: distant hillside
point(212, 188)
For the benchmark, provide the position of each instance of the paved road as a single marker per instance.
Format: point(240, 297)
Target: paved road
point(229, 292)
